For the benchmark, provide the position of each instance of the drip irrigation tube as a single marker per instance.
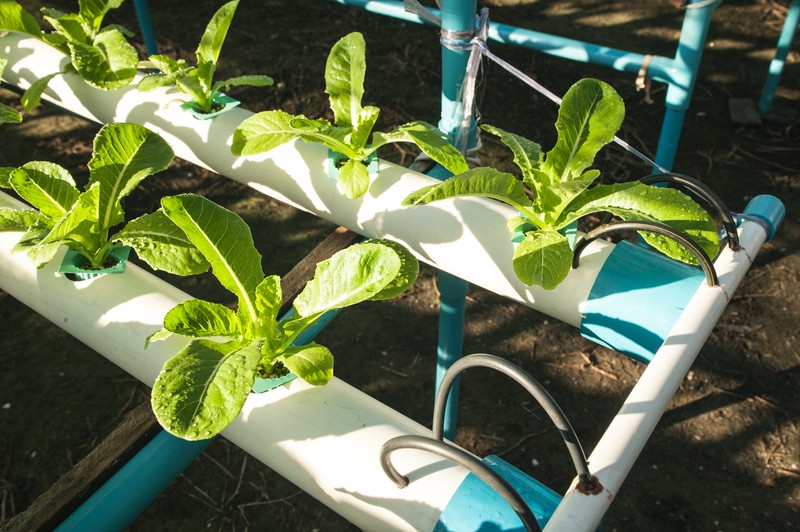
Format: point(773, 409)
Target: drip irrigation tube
point(531, 385)
point(484, 472)
point(650, 227)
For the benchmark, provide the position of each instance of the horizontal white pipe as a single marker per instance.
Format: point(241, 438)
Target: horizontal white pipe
point(623, 441)
point(466, 237)
point(326, 440)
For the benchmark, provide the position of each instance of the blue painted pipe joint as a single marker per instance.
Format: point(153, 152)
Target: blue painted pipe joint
point(476, 506)
point(768, 209)
point(639, 294)
point(636, 300)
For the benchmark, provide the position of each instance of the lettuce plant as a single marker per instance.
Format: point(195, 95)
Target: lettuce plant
point(124, 154)
point(8, 115)
point(201, 389)
point(198, 81)
point(101, 55)
point(353, 123)
point(554, 191)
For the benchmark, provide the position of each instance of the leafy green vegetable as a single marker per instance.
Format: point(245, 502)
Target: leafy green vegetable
point(124, 154)
point(101, 55)
point(352, 127)
point(198, 81)
point(555, 189)
point(8, 115)
point(202, 388)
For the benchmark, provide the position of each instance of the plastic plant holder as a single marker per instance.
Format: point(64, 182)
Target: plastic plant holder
point(265, 385)
point(335, 159)
point(73, 262)
point(226, 102)
point(571, 232)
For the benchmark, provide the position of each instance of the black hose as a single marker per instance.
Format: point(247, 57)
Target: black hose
point(470, 462)
point(650, 227)
point(531, 385)
point(705, 193)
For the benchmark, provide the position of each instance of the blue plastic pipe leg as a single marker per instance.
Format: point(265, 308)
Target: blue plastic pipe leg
point(782, 50)
point(457, 16)
point(117, 503)
point(452, 299)
point(146, 25)
point(679, 93)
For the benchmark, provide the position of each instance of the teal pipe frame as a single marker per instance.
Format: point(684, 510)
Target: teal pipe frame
point(779, 60)
point(685, 66)
point(457, 16)
point(679, 72)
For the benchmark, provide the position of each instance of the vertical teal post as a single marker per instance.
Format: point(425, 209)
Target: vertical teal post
point(146, 25)
point(782, 50)
point(679, 93)
point(457, 16)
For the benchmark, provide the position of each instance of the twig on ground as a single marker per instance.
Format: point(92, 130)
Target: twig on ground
point(521, 441)
point(394, 371)
point(219, 465)
point(239, 483)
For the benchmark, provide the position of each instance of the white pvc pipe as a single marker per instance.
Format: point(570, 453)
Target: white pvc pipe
point(466, 237)
point(326, 440)
point(623, 441)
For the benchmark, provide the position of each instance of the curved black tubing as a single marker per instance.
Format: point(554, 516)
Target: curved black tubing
point(531, 385)
point(481, 470)
point(704, 192)
point(650, 227)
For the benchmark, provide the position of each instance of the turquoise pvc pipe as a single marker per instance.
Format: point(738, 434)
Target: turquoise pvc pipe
point(679, 92)
point(117, 503)
point(679, 73)
point(146, 25)
point(777, 63)
point(457, 15)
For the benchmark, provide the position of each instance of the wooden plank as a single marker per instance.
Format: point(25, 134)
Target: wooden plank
point(78, 484)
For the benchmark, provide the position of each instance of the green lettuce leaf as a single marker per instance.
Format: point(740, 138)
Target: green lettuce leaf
point(348, 278)
point(108, 63)
point(528, 155)
point(163, 245)
point(263, 132)
point(124, 154)
point(409, 270)
point(313, 363)
point(202, 389)
point(33, 94)
point(47, 186)
point(225, 241)
point(544, 259)
point(353, 179)
point(14, 18)
point(344, 79)
point(197, 318)
point(590, 115)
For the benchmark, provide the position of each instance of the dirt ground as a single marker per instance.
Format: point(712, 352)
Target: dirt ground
point(725, 456)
